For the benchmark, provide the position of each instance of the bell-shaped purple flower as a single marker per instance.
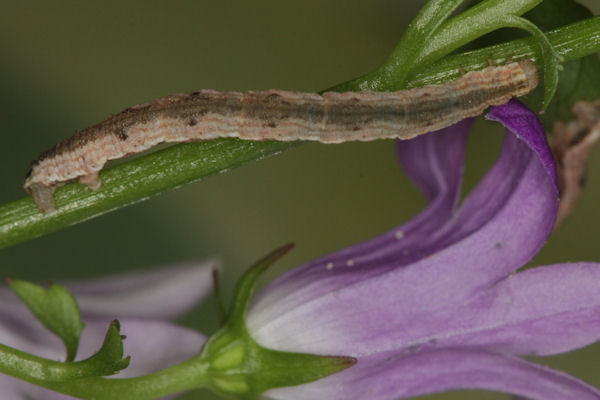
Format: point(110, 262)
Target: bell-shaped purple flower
point(435, 304)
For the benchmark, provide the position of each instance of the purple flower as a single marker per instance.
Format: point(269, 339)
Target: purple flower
point(143, 302)
point(430, 306)
point(435, 304)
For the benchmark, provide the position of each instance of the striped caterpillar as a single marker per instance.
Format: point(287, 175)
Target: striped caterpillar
point(273, 115)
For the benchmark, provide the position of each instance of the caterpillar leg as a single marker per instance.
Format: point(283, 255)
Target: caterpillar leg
point(43, 196)
point(91, 180)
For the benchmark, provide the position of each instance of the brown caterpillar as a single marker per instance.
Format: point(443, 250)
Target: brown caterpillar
point(273, 115)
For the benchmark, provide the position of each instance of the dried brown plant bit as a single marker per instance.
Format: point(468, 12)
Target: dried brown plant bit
point(573, 142)
point(273, 115)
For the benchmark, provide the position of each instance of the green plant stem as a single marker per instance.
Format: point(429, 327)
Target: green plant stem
point(27, 366)
point(175, 166)
point(188, 375)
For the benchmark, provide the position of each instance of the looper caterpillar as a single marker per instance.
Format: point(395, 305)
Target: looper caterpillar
point(273, 115)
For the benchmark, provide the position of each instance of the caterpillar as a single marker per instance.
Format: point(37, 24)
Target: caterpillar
point(273, 115)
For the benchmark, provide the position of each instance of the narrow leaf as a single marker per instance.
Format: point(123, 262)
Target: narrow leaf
point(56, 308)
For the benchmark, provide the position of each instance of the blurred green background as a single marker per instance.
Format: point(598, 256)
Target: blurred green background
point(66, 65)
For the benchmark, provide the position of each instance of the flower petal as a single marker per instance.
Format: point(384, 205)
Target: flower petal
point(525, 125)
point(161, 293)
point(420, 372)
point(520, 314)
point(21, 330)
point(500, 226)
point(12, 388)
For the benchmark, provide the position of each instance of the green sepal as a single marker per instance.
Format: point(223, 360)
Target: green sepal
point(56, 308)
point(239, 366)
point(109, 359)
point(246, 286)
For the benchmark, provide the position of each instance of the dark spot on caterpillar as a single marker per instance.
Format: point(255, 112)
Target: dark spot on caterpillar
point(355, 128)
point(270, 123)
point(498, 245)
point(195, 93)
point(120, 132)
point(192, 122)
point(582, 181)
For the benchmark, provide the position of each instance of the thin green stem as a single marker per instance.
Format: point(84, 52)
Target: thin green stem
point(164, 170)
point(188, 375)
point(23, 366)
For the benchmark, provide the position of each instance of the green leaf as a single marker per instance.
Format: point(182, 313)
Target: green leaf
point(580, 78)
point(551, 58)
point(475, 22)
point(56, 308)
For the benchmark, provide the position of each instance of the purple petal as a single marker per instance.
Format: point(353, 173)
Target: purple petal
point(21, 330)
point(420, 372)
point(388, 304)
point(161, 293)
point(541, 311)
point(520, 120)
point(12, 388)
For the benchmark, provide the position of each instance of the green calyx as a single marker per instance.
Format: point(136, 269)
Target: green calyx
point(239, 366)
